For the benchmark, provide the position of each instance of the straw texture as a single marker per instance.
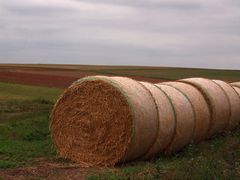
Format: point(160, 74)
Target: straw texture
point(91, 123)
point(184, 118)
point(145, 117)
point(102, 121)
point(200, 107)
point(236, 84)
point(234, 101)
point(237, 89)
point(166, 118)
point(217, 101)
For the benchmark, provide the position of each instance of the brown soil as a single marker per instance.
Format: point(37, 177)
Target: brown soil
point(68, 73)
point(79, 74)
point(37, 79)
point(47, 170)
point(51, 78)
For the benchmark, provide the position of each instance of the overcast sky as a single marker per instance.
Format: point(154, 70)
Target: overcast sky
point(187, 33)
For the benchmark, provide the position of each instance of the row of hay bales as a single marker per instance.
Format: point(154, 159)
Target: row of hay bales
point(101, 121)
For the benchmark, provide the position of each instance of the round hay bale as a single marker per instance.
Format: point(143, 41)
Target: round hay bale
point(101, 121)
point(146, 117)
point(200, 107)
point(184, 118)
point(236, 84)
point(217, 101)
point(234, 101)
point(166, 118)
point(237, 89)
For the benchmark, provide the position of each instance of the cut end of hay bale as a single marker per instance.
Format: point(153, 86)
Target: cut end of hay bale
point(91, 123)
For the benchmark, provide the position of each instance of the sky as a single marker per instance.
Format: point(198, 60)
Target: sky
point(179, 33)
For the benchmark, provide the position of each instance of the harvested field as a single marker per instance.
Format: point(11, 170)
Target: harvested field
point(59, 79)
point(171, 74)
point(80, 74)
point(37, 79)
point(24, 119)
point(69, 73)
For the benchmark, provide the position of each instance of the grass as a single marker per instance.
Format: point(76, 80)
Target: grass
point(24, 133)
point(24, 121)
point(17, 91)
point(218, 158)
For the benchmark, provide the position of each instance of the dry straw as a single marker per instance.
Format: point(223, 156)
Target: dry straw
point(200, 107)
point(103, 120)
point(184, 118)
point(145, 119)
point(234, 101)
point(166, 117)
point(236, 84)
point(237, 89)
point(217, 101)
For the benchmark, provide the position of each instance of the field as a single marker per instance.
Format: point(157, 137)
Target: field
point(27, 94)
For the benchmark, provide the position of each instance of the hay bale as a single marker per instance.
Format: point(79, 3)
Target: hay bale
point(237, 89)
point(184, 118)
point(234, 101)
point(102, 120)
point(217, 101)
point(166, 117)
point(200, 107)
point(236, 84)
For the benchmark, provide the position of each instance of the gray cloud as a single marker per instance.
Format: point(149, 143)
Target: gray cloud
point(34, 10)
point(161, 5)
point(188, 33)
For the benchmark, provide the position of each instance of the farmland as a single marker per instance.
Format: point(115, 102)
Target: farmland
point(28, 93)
point(61, 76)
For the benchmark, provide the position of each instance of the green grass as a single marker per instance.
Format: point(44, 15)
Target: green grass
point(175, 73)
point(218, 158)
point(24, 132)
point(24, 121)
point(17, 91)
